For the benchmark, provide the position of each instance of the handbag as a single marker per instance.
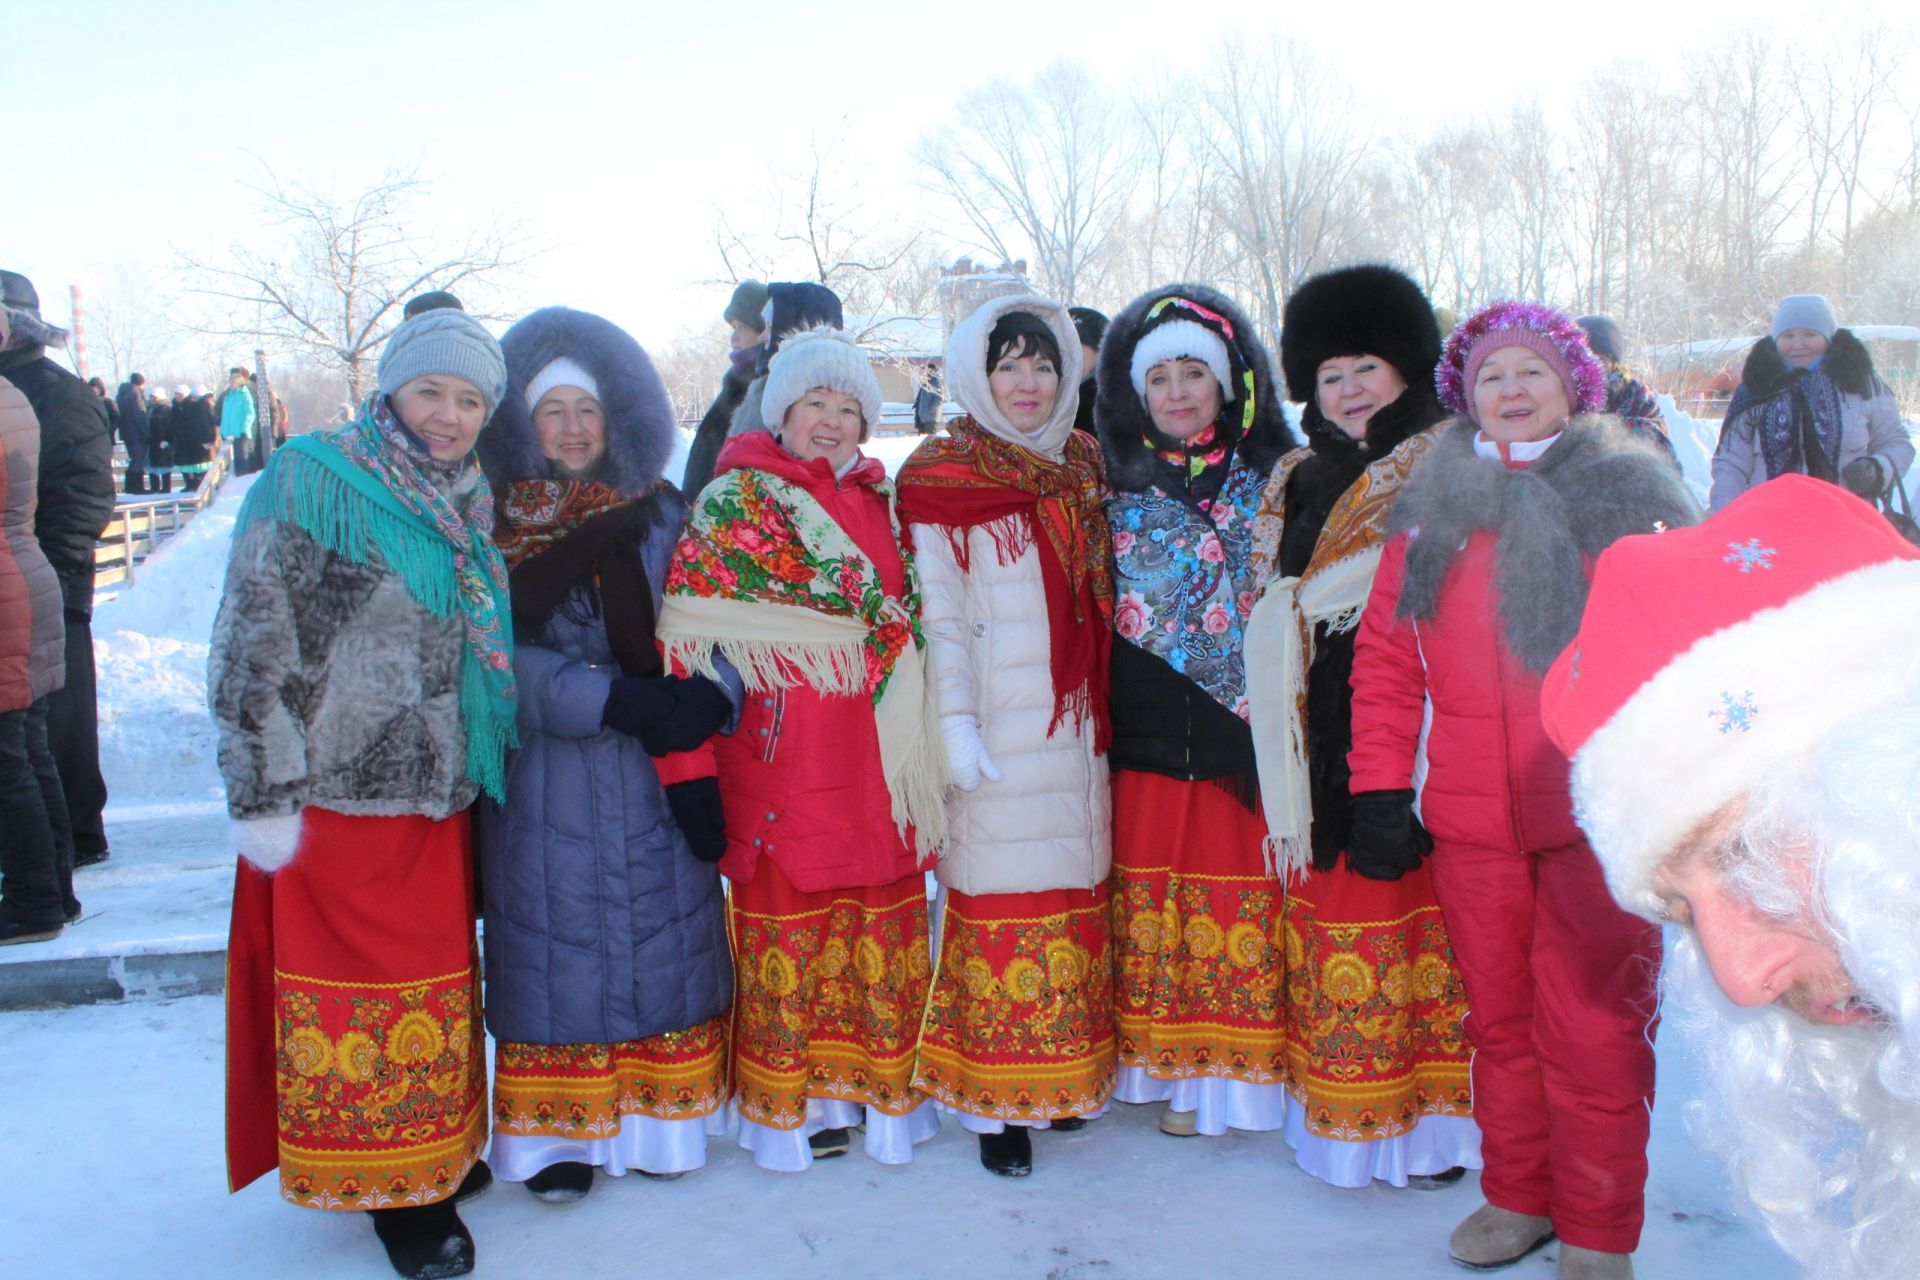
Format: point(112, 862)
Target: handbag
point(1899, 513)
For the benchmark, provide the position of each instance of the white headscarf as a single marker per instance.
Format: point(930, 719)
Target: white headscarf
point(966, 372)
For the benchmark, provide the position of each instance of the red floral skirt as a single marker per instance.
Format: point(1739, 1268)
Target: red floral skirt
point(583, 1091)
point(1020, 1024)
point(1374, 1004)
point(828, 990)
point(1196, 933)
point(355, 1057)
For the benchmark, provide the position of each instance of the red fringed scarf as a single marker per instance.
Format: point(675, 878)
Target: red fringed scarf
point(973, 479)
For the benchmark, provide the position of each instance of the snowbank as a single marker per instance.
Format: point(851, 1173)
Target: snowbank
point(150, 647)
point(1693, 443)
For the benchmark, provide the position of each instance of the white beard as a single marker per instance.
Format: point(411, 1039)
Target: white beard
point(1819, 1127)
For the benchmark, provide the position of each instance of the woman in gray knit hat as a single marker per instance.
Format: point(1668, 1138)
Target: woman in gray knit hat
point(361, 677)
point(1810, 403)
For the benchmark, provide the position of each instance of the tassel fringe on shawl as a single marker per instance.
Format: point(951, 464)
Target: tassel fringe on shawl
point(772, 644)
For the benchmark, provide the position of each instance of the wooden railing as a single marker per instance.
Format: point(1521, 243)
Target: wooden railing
point(140, 525)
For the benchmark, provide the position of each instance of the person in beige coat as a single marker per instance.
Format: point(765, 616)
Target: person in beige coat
point(1012, 543)
point(1810, 403)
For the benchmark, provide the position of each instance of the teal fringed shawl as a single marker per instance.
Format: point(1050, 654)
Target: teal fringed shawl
point(311, 484)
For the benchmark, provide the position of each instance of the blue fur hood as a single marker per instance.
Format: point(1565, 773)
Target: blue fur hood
point(640, 416)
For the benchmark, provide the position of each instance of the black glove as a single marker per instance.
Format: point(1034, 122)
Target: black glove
point(635, 704)
point(1387, 841)
point(667, 713)
point(696, 809)
point(701, 709)
point(1862, 477)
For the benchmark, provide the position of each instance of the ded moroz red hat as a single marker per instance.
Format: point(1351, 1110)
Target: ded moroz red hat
point(1709, 655)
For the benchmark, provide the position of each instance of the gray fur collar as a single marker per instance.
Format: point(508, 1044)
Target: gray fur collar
point(1596, 484)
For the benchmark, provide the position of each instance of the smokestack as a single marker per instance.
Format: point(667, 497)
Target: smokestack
point(78, 345)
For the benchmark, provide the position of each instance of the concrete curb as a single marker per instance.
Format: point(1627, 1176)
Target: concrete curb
point(80, 980)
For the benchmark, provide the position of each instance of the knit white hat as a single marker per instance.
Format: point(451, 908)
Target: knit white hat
point(822, 357)
point(561, 371)
point(1181, 340)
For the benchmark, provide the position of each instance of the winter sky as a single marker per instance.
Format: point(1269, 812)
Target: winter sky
point(613, 130)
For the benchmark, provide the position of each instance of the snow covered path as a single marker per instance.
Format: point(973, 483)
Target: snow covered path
point(120, 1174)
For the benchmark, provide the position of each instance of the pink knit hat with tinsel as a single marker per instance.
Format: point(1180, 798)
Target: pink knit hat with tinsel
point(1548, 333)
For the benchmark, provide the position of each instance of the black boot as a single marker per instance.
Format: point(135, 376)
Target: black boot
point(1068, 1124)
point(12, 931)
point(562, 1183)
point(478, 1180)
point(1008, 1153)
point(829, 1143)
point(1436, 1181)
point(425, 1243)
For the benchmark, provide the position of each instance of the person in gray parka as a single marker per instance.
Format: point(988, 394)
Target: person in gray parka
point(608, 972)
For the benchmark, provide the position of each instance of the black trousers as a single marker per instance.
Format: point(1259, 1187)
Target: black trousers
point(36, 848)
point(73, 725)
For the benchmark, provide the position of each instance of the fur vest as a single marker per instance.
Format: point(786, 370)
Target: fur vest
point(1593, 486)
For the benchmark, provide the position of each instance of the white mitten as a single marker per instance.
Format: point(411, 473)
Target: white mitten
point(967, 758)
point(268, 843)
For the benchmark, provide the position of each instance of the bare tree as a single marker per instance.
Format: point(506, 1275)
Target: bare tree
point(1046, 166)
point(1280, 133)
point(126, 325)
point(332, 286)
point(1840, 94)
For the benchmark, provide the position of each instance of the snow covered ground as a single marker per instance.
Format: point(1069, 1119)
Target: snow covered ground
point(111, 1132)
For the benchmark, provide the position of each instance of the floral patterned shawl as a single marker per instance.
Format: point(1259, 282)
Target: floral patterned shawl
point(1184, 579)
point(766, 578)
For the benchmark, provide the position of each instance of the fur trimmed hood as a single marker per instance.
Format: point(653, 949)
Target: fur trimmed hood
point(1127, 434)
point(1592, 487)
point(1847, 362)
point(640, 416)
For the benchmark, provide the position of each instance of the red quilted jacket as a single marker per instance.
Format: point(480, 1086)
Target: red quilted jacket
point(800, 778)
point(1443, 705)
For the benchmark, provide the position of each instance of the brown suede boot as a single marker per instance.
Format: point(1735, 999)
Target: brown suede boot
point(1492, 1238)
point(1588, 1264)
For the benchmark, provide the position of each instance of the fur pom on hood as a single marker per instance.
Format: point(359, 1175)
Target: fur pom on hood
point(1847, 362)
point(640, 416)
point(1592, 487)
point(1127, 434)
point(966, 372)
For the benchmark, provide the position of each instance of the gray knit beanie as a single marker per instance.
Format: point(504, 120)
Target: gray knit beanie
point(449, 342)
point(822, 357)
point(1804, 311)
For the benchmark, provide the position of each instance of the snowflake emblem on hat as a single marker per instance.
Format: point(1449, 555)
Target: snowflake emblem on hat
point(1749, 554)
point(1735, 713)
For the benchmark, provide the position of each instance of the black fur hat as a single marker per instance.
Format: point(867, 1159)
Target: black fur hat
point(1127, 434)
point(1364, 310)
point(640, 419)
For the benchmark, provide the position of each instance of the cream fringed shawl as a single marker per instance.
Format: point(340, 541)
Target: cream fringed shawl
point(766, 579)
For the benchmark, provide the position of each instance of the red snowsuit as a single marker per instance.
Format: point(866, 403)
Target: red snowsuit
point(1560, 981)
